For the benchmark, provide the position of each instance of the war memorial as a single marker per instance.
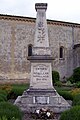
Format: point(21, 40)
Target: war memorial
point(41, 93)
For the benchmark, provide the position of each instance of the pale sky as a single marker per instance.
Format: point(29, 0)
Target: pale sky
point(61, 10)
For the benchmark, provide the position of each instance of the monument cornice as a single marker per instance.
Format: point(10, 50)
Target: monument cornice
point(32, 20)
point(40, 58)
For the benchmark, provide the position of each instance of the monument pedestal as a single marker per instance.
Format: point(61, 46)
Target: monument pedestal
point(36, 99)
point(41, 93)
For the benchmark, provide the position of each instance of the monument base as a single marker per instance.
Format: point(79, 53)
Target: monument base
point(35, 99)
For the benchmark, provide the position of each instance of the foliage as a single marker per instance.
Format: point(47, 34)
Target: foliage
point(55, 76)
point(75, 91)
point(71, 79)
point(77, 84)
point(2, 99)
point(6, 88)
point(24, 86)
point(72, 114)
point(63, 88)
point(3, 96)
point(3, 92)
point(9, 110)
point(5, 118)
point(76, 100)
point(75, 77)
point(11, 91)
point(16, 91)
point(69, 84)
point(58, 83)
point(66, 95)
point(76, 74)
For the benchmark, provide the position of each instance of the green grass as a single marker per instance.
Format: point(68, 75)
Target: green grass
point(23, 86)
point(17, 90)
point(63, 88)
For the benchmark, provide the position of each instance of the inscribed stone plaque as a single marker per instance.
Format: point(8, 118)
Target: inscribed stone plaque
point(41, 75)
point(41, 72)
point(41, 100)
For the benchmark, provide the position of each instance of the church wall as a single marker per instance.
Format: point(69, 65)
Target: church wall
point(14, 39)
point(61, 36)
point(16, 35)
point(77, 49)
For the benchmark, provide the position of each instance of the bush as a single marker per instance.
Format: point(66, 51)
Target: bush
point(3, 96)
point(58, 83)
point(76, 100)
point(3, 92)
point(77, 84)
point(2, 99)
point(75, 77)
point(71, 79)
point(6, 88)
point(11, 95)
point(72, 114)
point(5, 118)
point(9, 110)
point(55, 76)
point(76, 74)
point(75, 91)
point(16, 91)
point(66, 95)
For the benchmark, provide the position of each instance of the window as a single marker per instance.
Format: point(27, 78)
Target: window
point(29, 49)
point(61, 54)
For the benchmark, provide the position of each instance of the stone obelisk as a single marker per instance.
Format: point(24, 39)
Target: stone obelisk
point(41, 93)
point(41, 58)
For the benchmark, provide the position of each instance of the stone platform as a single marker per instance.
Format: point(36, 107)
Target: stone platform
point(33, 99)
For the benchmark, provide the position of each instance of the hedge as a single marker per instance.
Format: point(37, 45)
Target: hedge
point(72, 114)
point(76, 100)
point(9, 110)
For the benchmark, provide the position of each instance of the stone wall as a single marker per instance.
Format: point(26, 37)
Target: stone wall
point(16, 33)
point(14, 39)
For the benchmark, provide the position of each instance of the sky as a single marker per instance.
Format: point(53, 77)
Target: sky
point(60, 10)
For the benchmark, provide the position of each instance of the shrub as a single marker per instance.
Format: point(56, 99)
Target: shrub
point(75, 77)
point(75, 91)
point(71, 79)
point(12, 95)
point(16, 91)
point(5, 118)
point(72, 114)
point(76, 100)
point(77, 84)
point(58, 83)
point(3, 92)
point(55, 76)
point(2, 99)
point(76, 74)
point(3, 96)
point(6, 88)
point(66, 95)
point(9, 110)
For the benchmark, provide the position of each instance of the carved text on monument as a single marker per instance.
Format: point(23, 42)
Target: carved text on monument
point(41, 72)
